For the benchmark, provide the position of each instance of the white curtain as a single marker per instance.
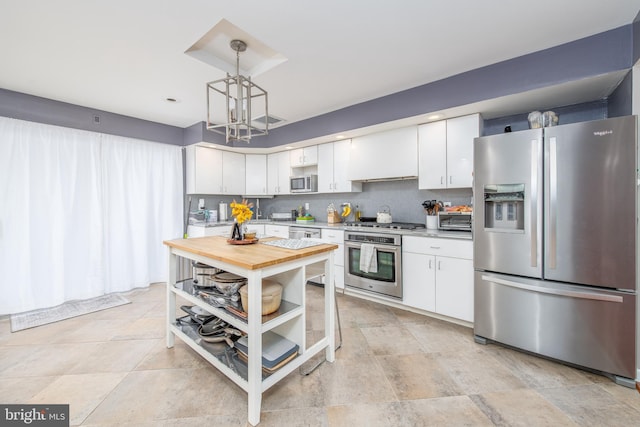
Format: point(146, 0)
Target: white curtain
point(82, 214)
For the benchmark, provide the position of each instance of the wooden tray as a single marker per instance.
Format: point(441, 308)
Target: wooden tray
point(242, 242)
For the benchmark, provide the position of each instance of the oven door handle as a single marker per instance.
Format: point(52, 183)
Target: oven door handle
point(381, 248)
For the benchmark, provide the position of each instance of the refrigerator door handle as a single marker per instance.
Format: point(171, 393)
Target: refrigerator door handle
point(534, 203)
point(553, 200)
point(561, 292)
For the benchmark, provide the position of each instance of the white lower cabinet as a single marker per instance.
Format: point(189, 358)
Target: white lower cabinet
point(418, 281)
point(438, 275)
point(336, 237)
point(277, 230)
point(256, 228)
point(198, 231)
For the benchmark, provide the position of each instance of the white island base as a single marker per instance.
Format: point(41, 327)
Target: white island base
point(255, 262)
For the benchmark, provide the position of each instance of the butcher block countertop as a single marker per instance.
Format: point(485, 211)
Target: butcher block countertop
point(251, 257)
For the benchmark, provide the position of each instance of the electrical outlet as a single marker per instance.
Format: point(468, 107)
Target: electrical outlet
point(447, 204)
point(306, 207)
point(200, 204)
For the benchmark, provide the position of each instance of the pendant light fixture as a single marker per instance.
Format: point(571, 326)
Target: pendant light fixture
point(240, 99)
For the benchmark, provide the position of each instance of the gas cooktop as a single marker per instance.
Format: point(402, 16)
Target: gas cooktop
point(391, 226)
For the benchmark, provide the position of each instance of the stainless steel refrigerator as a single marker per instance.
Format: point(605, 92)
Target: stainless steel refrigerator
point(555, 243)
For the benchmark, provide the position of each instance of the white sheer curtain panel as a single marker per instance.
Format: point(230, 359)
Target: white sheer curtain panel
point(143, 205)
point(69, 201)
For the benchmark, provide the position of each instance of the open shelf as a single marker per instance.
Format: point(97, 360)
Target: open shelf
point(286, 311)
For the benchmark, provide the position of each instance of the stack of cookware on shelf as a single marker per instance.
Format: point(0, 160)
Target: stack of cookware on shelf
point(229, 291)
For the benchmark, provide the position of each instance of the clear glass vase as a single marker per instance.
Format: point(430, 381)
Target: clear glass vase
point(237, 231)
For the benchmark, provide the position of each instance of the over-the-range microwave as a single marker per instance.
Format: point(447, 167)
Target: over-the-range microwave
point(304, 184)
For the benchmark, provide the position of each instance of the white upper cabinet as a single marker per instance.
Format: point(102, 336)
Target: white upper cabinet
point(256, 173)
point(446, 152)
point(385, 155)
point(432, 147)
point(278, 173)
point(306, 156)
point(202, 176)
point(333, 168)
point(233, 173)
point(211, 171)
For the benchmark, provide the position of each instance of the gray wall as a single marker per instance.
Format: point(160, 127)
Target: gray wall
point(42, 110)
point(620, 102)
point(610, 51)
point(594, 110)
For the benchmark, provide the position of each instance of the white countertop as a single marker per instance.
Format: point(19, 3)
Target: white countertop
point(422, 232)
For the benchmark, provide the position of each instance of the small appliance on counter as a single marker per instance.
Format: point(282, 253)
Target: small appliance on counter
point(384, 215)
point(455, 221)
point(223, 214)
point(282, 216)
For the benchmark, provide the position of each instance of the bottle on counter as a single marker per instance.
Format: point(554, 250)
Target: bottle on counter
point(358, 213)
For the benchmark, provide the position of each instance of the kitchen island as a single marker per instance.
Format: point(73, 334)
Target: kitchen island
point(256, 262)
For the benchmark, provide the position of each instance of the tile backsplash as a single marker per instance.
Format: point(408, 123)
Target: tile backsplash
point(403, 198)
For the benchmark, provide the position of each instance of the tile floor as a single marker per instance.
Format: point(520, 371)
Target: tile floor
point(395, 368)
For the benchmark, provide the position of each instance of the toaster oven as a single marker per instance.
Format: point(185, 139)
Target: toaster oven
point(460, 221)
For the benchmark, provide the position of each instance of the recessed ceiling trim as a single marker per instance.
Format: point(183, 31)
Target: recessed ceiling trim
point(213, 49)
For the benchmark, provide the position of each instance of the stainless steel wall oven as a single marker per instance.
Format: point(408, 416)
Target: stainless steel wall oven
point(387, 280)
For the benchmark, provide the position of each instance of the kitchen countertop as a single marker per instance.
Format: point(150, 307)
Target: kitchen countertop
point(422, 232)
point(252, 257)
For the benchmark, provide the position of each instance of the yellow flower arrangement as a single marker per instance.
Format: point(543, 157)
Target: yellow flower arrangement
point(241, 211)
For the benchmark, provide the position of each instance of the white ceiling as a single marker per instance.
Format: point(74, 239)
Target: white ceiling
point(127, 57)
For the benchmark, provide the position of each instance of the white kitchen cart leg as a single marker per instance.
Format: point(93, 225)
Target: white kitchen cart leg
point(287, 267)
point(171, 298)
point(329, 309)
point(255, 346)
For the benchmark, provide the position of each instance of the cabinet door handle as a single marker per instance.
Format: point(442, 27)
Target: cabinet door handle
point(441, 179)
point(434, 247)
point(429, 264)
point(450, 179)
point(439, 262)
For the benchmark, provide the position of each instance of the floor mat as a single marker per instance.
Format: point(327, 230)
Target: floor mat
point(67, 310)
